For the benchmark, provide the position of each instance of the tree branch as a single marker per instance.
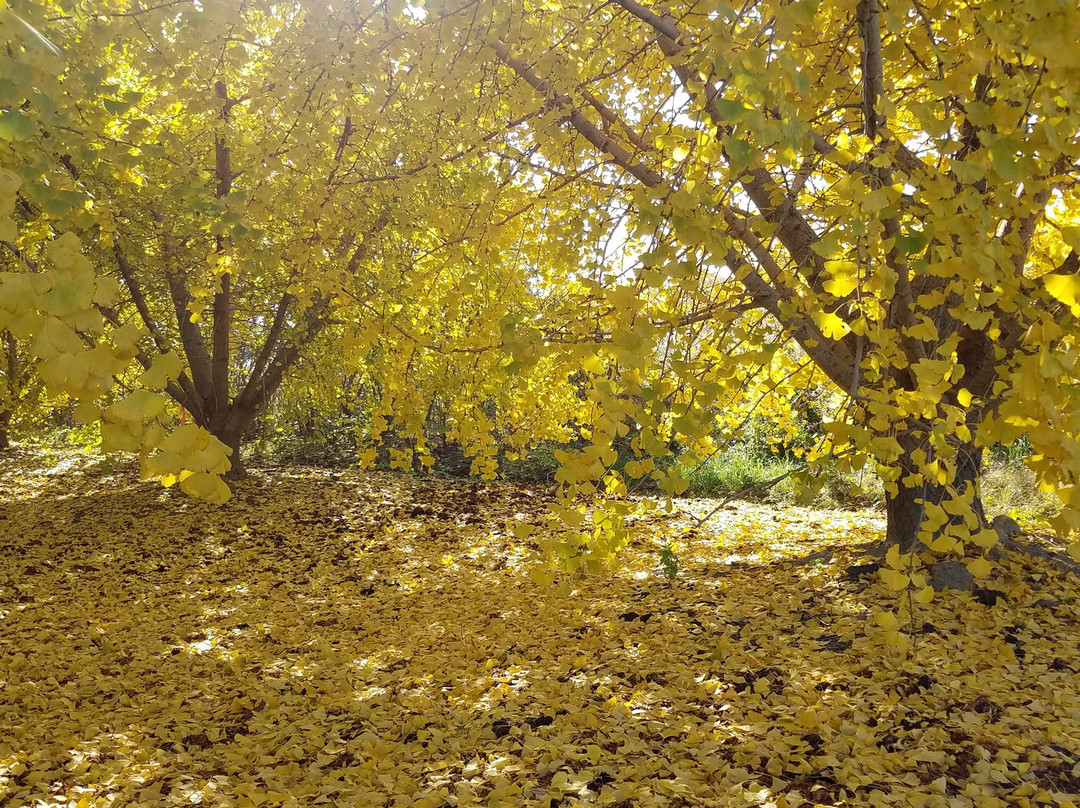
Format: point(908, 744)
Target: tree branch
point(191, 336)
point(127, 272)
point(223, 313)
point(872, 71)
point(261, 385)
point(174, 390)
point(596, 136)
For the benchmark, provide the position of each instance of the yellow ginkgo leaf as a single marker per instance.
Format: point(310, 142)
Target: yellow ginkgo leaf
point(832, 326)
point(841, 286)
point(979, 567)
point(893, 579)
point(985, 538)
point(887, 621)
point(1065, 288)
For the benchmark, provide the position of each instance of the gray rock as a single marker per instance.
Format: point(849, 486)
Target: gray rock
point(1047, 603)
point(820, 557)
point(951, 575)
point(1033, 550)
point(1006, 526)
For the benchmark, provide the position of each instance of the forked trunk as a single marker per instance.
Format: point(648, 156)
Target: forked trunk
point(906, 510)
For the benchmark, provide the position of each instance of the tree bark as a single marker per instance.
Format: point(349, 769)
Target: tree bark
point(14, 383)
point(905, 511)
point(219, 399)
point(233, 437)
point(232, 429)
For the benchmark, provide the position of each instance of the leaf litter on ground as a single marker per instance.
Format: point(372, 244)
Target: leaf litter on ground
point(351, 638)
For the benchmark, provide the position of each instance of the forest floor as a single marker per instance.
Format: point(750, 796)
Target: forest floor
point(366, 639)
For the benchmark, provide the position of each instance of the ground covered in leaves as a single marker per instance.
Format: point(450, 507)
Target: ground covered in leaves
point(374, 640)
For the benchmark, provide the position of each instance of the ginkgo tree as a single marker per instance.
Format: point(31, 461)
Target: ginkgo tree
point(894, 187)
point(233, 184)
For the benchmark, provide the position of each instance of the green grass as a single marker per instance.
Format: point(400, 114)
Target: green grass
point(538, 465)
point(735, 469)
point(1007, 485)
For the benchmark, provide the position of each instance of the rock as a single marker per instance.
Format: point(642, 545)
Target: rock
point(989, 597)
point(814, 741)
point(1006, 526)
point(832, 642)
point(1033, 550)
point(820, 557)
point(859, 570)
point(951, 575)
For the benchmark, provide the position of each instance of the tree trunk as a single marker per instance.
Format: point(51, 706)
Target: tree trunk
point(14, 384)
point(234, 439)
point(230, 430)
point(906, 509)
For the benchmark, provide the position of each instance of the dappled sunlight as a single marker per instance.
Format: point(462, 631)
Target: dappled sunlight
point(377, 640)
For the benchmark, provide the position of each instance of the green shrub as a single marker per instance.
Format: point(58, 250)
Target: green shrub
point(538, 465)
point(734, 469)
point(334, 446)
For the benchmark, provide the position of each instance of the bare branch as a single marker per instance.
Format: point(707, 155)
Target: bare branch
point(127, 272)
point(872, 71)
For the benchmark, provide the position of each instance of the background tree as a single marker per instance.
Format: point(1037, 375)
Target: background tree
point(257, 180)
point(15, 384)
